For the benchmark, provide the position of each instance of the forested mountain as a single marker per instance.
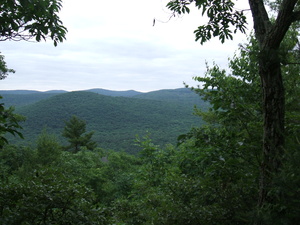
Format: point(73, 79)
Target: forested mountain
point(17, 100)
point(115, 120)
point(101, 91)
point(180, 95)
point(24, 97)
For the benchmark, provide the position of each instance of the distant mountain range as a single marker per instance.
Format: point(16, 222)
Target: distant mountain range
point(24, 97)
point(115, 116)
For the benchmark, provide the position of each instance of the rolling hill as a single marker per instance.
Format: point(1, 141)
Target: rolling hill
point(18, 98)
point(115, 120)
point(182, 96)
point(129, 93)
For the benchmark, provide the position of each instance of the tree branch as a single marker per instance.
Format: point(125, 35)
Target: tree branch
point(261, 19)
point(283, 21)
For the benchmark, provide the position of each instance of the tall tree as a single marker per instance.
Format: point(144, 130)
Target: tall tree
point(223, 20)
point(74, 131)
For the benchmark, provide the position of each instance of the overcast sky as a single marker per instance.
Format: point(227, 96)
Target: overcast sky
point(114, 45)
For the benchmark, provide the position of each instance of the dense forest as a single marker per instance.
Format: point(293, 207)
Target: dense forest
point(222, 167)
point(115, 119)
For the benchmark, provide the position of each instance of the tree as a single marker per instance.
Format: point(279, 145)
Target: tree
point(3, 68)
point(9, 123)
point(48, 197)
point(226, 151)
point(27, 19)
point(74, 132)
point(24, 20)
point(48, 149)
point(225, 19)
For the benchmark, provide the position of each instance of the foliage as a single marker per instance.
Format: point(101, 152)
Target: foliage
point(48, 197)
point(190, 185)
point(236, 114)
point(221, 14)
point(17, 100)
point(115, 120)
point(12, 159)
point(270, 34)
point(23, 20)
point(9, 123)
point(3, 68)
point(74, 131)
point(212, 176)
point(49, 186)
point(235, 97)
point(48, 148)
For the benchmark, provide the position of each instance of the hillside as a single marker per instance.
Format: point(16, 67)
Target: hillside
point(17, 100)
point(181, 96)
point(115, 120)
point(101, 91)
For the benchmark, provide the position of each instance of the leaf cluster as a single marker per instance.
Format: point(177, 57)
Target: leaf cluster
point(47, 197)
point(45, 185)
point(9, 123)
point(224, 20)
point(26, 19)
point(4, 71)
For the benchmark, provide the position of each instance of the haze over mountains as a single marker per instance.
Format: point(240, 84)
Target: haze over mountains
point(115, 116)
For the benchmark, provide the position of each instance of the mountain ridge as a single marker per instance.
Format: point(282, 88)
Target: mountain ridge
point(18, 98)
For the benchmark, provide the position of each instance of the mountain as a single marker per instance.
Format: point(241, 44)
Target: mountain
point(115, 120)
point(17, 100)
point(55, 91)
point(128, 93)
point(181, 95)
point(18, 92)
point(26, 92)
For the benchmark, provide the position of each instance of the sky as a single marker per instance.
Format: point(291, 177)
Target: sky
point(113, 45)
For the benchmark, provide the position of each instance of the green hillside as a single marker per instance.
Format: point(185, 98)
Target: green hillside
point(181, 96)
point(101, 91)
point(17, 100)
point(115, 120)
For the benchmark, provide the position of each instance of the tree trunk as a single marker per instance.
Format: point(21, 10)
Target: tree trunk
point(273, 109)
point(270, 35)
